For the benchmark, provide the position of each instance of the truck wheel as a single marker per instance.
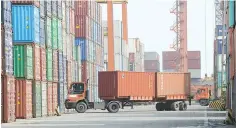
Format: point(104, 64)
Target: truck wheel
point(185, 106)
point(160, 106)
point(81, 107)
point(175, 106)
point(113, 107)
point(181, 106)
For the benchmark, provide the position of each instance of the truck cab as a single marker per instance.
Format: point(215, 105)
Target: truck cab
point(203, 95)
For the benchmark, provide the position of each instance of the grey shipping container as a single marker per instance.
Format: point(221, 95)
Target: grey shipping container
point(59, 9)
point(54, 8)
point(48, 8)
point(60, 67)
point(152, 65)
point(42, 32)
point(42, 8)
point(64, 69)
point(60, 96)
point(151, 56)
point(6, 18)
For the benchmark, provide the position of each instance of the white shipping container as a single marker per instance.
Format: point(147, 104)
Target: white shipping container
point(125, 63)
point(117, 26)
point(124, 49)
point(118, 62)
point(195, 73)
point(151, 56)
point(219, 56)
point(64, 41)
point(117, 45)
point(44, 99)
point(132, 47)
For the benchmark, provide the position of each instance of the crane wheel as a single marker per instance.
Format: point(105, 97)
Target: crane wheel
point(81, 107)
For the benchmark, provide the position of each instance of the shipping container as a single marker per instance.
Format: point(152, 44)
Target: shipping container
point(234, 50)
point(82, 8)
point(219, 59)
point(117, 45)
point(219, 79)
point(68, 20)
point(50, 110)
point(195, 73)
point(37, 99)
point(114, 85)
point(44, 98)
point(59, 9)
point(194, 63)
point(231, 13)
point(69, 72)
point(219, 30)
point(7, 51)
point(152, 65)
point(131, 57)
point(231, 53)
point(64, 41)
point(42, 33)
point(118, 62)
point(60, 67)
point(43, 64)
point(54, 96)
point(9, 101)
point(42, 9)
point(23, 99)
point(64, 69)
point(83, 43)
point(6, 18)
point(54, 33)
point(72, 24)
point(82, 26)
point(29, 29)
point(54, 8)
point(26, 2)
point(219, 46)
point(49, 60)
point(23, 61)
point(151, 56)
point(75, 71)
point(61, 97)
point(36, 62)
point(63, 8)
point(59, 39)
point(48, 32)
point(55, 65)
point(48, 8)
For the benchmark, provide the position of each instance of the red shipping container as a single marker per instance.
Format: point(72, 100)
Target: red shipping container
point(131, 57)
point(194, 54)
point(82, 26)
point(54, 96)
point(27, 2)
point(84, 70)
point(82, 7)
point(232, 52)
point(49, 99)
point(136, 85)
point(194, 64)
point(43, 64)
point(8, 99)
point(72, 23)
point(37, 65)
point(55, 66)
point(151, 64)
point(23, 99)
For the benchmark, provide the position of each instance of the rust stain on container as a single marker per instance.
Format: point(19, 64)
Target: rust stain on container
point(116, 84)
point(8, 99)
point(172, 85)
point(49, 98)
point(55, 66)
point(29, 2)
point(37, 65)
point(23, 99)
point(54, 96)
point(43, 64)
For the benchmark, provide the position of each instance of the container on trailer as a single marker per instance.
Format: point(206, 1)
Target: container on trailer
point(42, 32)
point(43, 64)
point(82, 26)
point(23, 61)
point(59, 9)
point(60, 97)
point(6, 18)
point(54, 8)
point(72, 24)
point(59, 38)
point(7, 51)
point(55, 65)
point(117, 84)
point(48, 8)
point(54, 33)
point(23, 99)
point(172, 85)
point(50, 110)
point(48, 32)
point(60, 67)
point(49, 61)
point(54, 96)
point(36, 62)
point(44, 98)
point(37, 99)
point(29, 29)
point(9, 102)
point(26, 2)
point(41, 8)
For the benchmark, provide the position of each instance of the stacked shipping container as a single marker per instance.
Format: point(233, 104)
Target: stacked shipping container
point(89, 42)
point(151, 62)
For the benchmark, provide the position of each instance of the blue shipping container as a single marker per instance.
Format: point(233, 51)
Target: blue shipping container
point(60, 67)
point(7, 52)
point(83, 43)
point(64, 68)
point(231, 13)
point(26, 24)
point(60, 96)
point(42, 11)
point(48, 8)
point(6, 12)
point(219, 30)
point(42, 32)
point(220, 41)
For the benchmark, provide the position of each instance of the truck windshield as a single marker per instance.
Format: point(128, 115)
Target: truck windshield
point(77, 88)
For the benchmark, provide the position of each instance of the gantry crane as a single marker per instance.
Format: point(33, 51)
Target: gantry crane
point(180, 28)
point(111, 60)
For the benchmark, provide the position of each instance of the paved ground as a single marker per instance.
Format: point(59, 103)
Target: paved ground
point(139, 117)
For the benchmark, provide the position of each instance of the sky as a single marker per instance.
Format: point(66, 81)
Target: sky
point(150, 21)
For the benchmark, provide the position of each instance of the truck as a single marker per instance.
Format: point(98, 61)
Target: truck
point(118, 89)
point(203, 95)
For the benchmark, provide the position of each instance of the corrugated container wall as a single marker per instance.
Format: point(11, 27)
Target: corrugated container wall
point(37, 99)
point(36, 62)
point(55, 66)
point(43, 64)
point(28, 31)
point(6, 17)
point(42, 32)
point(49, 60)
point(42, 9)
point(48, 32)
point(48, 8)
point(44, 98)
point(231, 13)
point(49, 99)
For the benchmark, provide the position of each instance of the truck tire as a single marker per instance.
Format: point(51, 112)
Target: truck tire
point(181, 106)
point(185, 106)
point(175, 106)
point(81, 107)
point(113, 107)
point(160, 106)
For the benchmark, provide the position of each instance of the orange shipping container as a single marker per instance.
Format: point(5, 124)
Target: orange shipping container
point(117, 84)
point(8, 90)
point(43, 64)
point(49, 99)
point(173, 85)
point(23, 99)
point(54, 96)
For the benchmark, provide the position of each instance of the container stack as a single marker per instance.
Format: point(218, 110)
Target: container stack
point(151, 62)
point(136, 55)
point(8, 80)
point(88, 33)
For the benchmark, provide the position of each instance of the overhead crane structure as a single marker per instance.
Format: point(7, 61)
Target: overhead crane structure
point(180, 28)
point(111, 60)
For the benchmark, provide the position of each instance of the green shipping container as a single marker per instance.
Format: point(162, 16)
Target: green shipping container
point(37, 99)
point(48, 33)
point(49, 64)
point(59, 41)
point(54, 33)
point(23, 61)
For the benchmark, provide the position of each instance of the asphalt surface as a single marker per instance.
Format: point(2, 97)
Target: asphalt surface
point(140, 117)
